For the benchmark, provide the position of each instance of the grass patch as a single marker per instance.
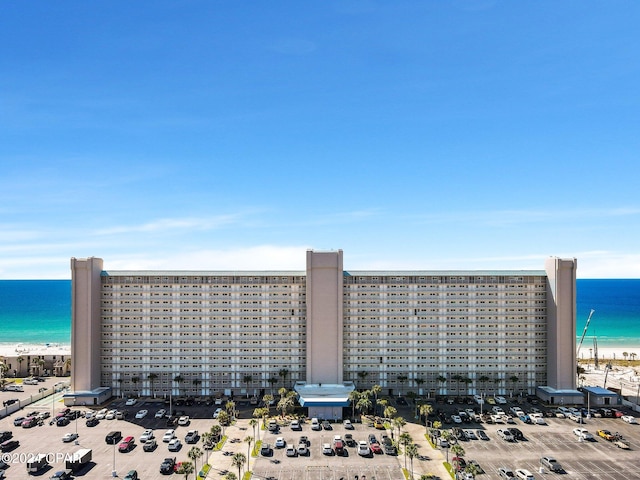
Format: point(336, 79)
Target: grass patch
point(202, 474)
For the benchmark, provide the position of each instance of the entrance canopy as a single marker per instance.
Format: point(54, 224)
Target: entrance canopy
point(324, 394)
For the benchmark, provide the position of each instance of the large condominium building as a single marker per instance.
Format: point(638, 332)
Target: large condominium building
point(431, 332)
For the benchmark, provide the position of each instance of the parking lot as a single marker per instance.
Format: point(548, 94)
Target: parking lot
point(581, 460)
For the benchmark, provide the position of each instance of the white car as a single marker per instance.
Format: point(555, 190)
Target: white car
point(456, 418)
point(363, 449)
point(295, 425)
point(216, 414)
point(184, 420)
point(291, 451)
point(302, 449)
point(160, 413)
point(130, 402)
point(326, 449)
point(537, 419)
point(110, 415)
point(280, 443)
point(169, 435)
point(146, 435)
point(583, 433)
point(69, 437)
point(629, 419)
point(142, 413)
point(347, 424)
point(500, 400)
point(174, 445)
point(101, 414)
point(506, 435)
point(524, 474)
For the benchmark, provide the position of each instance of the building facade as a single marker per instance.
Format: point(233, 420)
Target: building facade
point(430, 332)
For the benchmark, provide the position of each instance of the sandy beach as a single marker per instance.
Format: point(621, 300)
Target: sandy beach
point(8, 350)
point(606, 353)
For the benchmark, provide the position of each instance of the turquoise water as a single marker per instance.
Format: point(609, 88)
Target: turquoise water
point(39, 311)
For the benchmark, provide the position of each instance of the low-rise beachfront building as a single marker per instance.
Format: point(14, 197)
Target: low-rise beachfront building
point(236, 332)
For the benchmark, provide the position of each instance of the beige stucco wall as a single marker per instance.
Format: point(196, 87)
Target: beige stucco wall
point(561, 323)
point(85, 323)
point(324, 317)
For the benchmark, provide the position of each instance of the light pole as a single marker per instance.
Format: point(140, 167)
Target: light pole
point(113, 472)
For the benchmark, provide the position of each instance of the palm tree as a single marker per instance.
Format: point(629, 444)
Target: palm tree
point(196, 383)
point(426, 410)
point(224, 420)
point(362, 375)
point(186, 469)
point(194, 454)
point(354, 396)
point(390, 412)
point(419, 382)
point(216, 431)
point(458, 451)
point(364, 404)
point(20, 360)
point(67, 366)
point(272, 381)
point(135, 381)
point(268, 400)
point(238, 460)
point(253, 423)
point(230, 407)
point(412, 452)
point(442, 380)
point(467, 381)
point(399, 422)
point(514, 379)
point(375, 390)
point(247, 379)
point(230, 476)
point(152, 378)
point(497, 381)
point(404, 440)
point(178, 379)
point(207, 437)
point(283, 374)
point(633, 356)
point(625, 355)
point(401, 379)
point(248, 440)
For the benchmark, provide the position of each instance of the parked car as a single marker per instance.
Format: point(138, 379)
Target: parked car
point(523, 474)
point(167, 465)
point(326, 425)
point(295, 425)
point(583, 433)
point(175, 445)
point(363, 449)
point(131, 475)
point(192, 436)
point(265, 450)
point(506, 473)
point(69, 437)
point(160, 413)
point(113, 437)
point(505, 435)
point(291, 451)
point(142, 413)
point(62, 475)
point(146, 435)
point(606, 434)
point(169, 435)
point(280, 443)
point(629, 419)
point(482, 435)
point(326, 449)
point(92, 422)
point(347, 424)
point(183, 420)
point(551, 463)
point(150, 445)
point(130, 402)
point(126, 444)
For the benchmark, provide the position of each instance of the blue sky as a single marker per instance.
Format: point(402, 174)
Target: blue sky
point(236, 135)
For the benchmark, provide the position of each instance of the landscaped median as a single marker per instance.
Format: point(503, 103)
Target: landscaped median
point(202, 474)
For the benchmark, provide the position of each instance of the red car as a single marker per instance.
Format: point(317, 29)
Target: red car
point(376, 448)
point(126, 444)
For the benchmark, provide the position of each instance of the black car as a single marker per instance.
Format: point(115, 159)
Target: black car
point(11, 401)
point(73, 414)
point(517, 434)
point(113, 437)
point(192, 437)
point(167, 466)
point(92, 422)
point(9, 445)
point(6, 435)
point(63, 421)
point(62, 475)
point(326, 425)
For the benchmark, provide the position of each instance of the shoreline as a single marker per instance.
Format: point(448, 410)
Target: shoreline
point(610, 353)
point(30, 349)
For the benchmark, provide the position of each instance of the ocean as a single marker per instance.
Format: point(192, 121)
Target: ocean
point(39, 312)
